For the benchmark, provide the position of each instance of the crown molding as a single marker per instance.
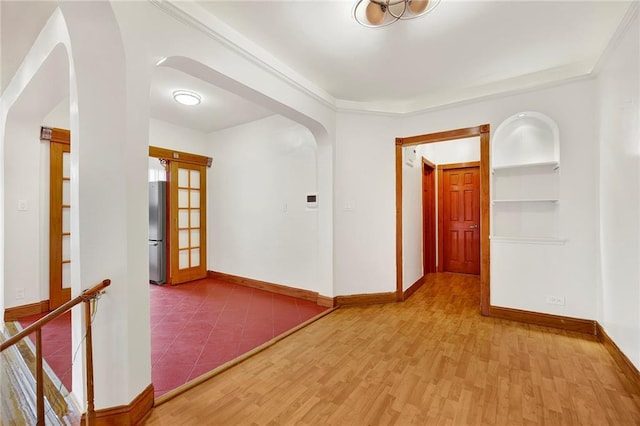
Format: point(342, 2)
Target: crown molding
point(195, 17)
point(631, 14)
point(199, 19)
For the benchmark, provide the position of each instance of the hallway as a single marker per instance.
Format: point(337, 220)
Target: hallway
point(430, 360)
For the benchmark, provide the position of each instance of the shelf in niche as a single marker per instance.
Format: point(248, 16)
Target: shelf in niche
point(554, 164)
point(528, 240)
point(520, 200)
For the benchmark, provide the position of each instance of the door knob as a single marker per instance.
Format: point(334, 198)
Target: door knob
point(473, 226)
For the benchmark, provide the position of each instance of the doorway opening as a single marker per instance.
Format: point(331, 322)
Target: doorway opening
point(482, 132)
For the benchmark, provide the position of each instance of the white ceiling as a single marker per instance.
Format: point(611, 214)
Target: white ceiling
point(460, 46)
point(462, 50)
point(219, 108)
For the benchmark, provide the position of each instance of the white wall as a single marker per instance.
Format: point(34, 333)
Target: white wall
point(26, 272)
point(170, 136)
point(365, 237)
point(450, 152)
point(258, 223)
point(619, 190)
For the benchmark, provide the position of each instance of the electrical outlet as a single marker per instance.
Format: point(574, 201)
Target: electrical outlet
point(555, 300)
point(22, 205)
point(19, 293)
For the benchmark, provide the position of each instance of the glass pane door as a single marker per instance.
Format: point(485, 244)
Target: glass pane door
point(188, 207)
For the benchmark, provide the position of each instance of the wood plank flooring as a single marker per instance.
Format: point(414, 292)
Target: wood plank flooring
point(431, 360)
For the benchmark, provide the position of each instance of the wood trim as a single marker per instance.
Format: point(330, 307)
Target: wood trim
point(55, 135)
point(547, 320)
point(366, 299)
point(428, 163)
point(183, 157)
point(12, 314)
point(414, 287)
point(459, 165)
point(624, 363)
point(448, 135)
point(440, 266)
point(485, 200)
point(483, 132)
point(271, 287)
point(429, 218)
point(399, 263)
point(130, 414)
point(326, 301)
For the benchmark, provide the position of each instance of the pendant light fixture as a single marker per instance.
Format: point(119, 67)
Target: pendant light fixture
point(380, 13)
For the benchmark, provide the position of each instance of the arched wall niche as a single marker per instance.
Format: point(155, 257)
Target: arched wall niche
point(526, 138)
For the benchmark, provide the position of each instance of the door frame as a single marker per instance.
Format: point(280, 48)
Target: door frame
point(441, 169)
point(428, 218)
point(483, 132)
point(59, 143)
point(167, 156)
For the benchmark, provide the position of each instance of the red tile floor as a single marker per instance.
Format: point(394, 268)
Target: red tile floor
point(56, 344)
point(195, 327)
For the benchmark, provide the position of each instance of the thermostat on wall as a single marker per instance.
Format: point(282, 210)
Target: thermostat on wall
point(312, 201)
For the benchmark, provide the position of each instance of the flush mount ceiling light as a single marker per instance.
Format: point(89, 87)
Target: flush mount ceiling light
point(186, 97)
point(380, 13)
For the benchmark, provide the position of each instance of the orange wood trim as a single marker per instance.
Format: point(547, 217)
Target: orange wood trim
point(440, 220)
point(267, 286)
point(428, 218)
point(428, 163)
point(624, 363)
point(130, 414)
point(485, 258)
point(366, 299)
point(414, 287)
point(448, 135)
point(399, 254)
point(485, 245)
point(55, 135)
point(183, 157)
point(12, 314)
point(547, 320)
point(326, 301)
point(459, 165)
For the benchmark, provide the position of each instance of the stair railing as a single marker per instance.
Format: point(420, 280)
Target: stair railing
point(86, 296)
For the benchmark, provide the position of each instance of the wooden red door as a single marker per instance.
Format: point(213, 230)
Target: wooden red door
point(461, 219)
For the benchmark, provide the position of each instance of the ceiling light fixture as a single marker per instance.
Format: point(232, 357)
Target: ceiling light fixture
point(380, 13)
point(186, 97)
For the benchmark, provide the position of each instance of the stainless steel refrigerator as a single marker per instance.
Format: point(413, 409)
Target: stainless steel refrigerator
point(157, 232)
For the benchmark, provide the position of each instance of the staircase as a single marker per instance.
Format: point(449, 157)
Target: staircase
point(18, 386)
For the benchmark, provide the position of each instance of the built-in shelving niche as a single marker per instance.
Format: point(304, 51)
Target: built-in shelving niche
point(525, 180)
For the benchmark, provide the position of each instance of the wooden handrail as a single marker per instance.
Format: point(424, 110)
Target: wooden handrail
point(86, 296)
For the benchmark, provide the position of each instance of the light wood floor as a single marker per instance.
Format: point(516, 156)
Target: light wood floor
point(431, 360)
